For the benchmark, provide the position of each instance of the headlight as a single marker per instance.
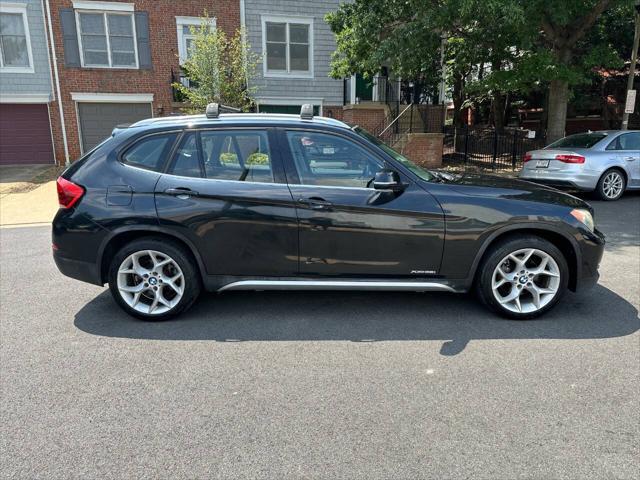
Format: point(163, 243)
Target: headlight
point(584, 217)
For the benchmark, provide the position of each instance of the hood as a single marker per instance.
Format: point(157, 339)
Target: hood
point(492, 186)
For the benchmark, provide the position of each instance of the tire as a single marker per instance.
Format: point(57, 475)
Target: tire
point(154, 279)
point(611, 185)
point(550, 283)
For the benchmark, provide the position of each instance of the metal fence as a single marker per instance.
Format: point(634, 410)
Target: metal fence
point(488, 148)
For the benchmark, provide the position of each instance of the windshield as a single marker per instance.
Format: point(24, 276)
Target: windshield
point(580, 140)
point(421, 172)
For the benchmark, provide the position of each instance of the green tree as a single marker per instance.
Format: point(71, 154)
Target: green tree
point(565, 51)
point(219, 69)
point(400, 34)
point(406, 36)
point(481, 51)
point(494, 47)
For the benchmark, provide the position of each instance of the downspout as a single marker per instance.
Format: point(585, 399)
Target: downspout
point(51, 85)
point(57, 79)
point(244, 40)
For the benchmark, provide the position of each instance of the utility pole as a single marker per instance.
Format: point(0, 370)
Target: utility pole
point(632, 67)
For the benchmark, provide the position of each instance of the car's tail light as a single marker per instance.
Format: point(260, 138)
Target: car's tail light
point(567, 158)
point(527, 157)
point(68, 193)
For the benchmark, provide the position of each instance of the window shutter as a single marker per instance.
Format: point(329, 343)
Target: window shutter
point(70, 38)
point(142, 34)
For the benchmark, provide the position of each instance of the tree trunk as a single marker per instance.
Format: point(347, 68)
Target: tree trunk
point(606, 117)
point(498, 100)
point(557, 116)
point(497, 111)
point(458, 100)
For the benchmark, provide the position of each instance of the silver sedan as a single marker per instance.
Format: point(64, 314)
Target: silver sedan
point(607, 162)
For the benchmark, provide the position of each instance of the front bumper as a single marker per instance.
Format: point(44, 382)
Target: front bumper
point(592, 249)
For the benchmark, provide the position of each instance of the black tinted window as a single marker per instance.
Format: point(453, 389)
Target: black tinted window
point(150, 152)
point(580, 140)
point(330, 160)
point(237, 155)
point(186, 161)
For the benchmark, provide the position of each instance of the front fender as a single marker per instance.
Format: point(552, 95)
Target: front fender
point(541, 228)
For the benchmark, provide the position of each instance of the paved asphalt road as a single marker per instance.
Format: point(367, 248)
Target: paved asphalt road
point(319, 385)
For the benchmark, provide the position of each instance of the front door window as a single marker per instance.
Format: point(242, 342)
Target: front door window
point(331, 160)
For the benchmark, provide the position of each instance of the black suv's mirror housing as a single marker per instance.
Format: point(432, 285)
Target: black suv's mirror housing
point(388, 180)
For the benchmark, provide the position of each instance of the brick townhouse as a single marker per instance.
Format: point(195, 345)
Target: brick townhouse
point(116, 61)
point(113, 62)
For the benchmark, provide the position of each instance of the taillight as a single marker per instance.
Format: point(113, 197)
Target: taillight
point(68, 193)
point(527, 157)
point(570, 158)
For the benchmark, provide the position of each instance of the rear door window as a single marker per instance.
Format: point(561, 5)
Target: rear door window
point(626, 141)
point(242, 155)
point(150, 152)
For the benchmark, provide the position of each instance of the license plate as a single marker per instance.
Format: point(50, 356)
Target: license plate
point(542, 163)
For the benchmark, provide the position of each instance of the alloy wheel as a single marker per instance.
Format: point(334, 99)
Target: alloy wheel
point(526, 280)
point(612, 185)
point(150, 282)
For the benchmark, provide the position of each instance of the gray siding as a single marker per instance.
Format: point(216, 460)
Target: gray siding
point(38, 82)
point(321, 86)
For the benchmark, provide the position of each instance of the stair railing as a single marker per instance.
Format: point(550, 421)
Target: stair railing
point(392, 123)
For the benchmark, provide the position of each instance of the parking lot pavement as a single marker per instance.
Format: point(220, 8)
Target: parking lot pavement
point(319, 385)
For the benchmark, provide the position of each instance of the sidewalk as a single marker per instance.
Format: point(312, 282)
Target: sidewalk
point(33, 207)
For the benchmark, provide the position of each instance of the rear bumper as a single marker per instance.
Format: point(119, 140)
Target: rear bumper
point(75, 241)
point(570, 180)
point(77, 269)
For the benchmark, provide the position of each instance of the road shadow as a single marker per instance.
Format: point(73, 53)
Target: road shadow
point(620, 220)
point(363, 317)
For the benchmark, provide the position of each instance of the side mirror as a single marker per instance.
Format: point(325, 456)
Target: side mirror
point(388, 180)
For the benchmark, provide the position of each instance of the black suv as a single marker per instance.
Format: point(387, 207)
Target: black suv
point(170, 206)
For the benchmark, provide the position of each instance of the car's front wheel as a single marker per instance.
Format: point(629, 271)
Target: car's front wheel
point(153, 279)
point(523, 277)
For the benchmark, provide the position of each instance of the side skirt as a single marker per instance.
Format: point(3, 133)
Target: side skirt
point(337, 285)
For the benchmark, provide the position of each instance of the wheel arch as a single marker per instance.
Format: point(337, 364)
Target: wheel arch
point(121, 237)
point(619, 167)
point(564, 242)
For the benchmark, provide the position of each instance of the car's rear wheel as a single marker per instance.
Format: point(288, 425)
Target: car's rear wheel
point(153, 279)
point(611, 185)
point(523, 277)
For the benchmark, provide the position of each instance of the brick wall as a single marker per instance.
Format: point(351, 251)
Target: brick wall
point(367, 115)
point(157, 80)
point(333, 112)
point(425, 149)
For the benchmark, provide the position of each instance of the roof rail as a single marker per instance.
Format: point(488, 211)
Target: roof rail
point(306, 111)
point(215, 109)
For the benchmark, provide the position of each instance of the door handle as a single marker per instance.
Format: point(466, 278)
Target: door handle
point(316, 203)
point(630, 159)
point(182, 193)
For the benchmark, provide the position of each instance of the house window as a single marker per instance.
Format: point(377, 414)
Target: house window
point(186, 37)
point(288, 46)
point(107, 39)
point(15, 45)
